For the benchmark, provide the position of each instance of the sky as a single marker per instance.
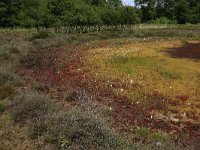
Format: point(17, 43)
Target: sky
point(128, 2)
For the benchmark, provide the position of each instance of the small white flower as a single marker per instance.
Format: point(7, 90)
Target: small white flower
point(122, 90)
point(111, 85)
point(131, 81)
point(110, 108)
point(170, 87)
point(184, 114)
point(158, 144)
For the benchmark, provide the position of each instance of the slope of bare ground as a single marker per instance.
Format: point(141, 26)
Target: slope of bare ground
point(60, 72)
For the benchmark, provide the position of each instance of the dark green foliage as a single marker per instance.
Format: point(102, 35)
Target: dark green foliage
point(78, 14)
point(87, 15)
point(182, 11)
point(30, 106)
point(83, 14)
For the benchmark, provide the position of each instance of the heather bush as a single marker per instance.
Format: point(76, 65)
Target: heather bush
point(30, 106)
point(78, 129)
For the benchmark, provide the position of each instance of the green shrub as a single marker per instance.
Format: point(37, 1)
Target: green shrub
point(30, 106)
point(9, 51)
point(7, 78)
point(79, 129)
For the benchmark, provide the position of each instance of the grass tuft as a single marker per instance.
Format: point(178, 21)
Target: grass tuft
point(170, 75)
point(30, 106)
point(7, 78)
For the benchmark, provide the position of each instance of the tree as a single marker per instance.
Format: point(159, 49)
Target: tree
point(28, 15)
point(10, 9)
point(182, 11)
point(114, 3)
point(198, 12)
point(165, 8)
point(148, 8)
point(46, 18)
point(130, 15)
point(96, 2)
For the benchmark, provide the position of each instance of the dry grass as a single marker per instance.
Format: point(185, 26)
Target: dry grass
point(146, 61)
point(12, 137)
point(144, 68)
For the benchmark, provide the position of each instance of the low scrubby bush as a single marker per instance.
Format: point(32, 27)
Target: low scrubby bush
point(13, 49)
point(79, 129)
point(7, 78)
point(10, 51)
point(32, 60)
point(30, 106)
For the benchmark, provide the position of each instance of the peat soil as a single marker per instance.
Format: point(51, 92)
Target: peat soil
point(58, 71)
point(189, 51)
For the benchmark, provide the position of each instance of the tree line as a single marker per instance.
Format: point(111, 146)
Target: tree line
point(86, 15)
point(180, 11)
point(80, 14)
